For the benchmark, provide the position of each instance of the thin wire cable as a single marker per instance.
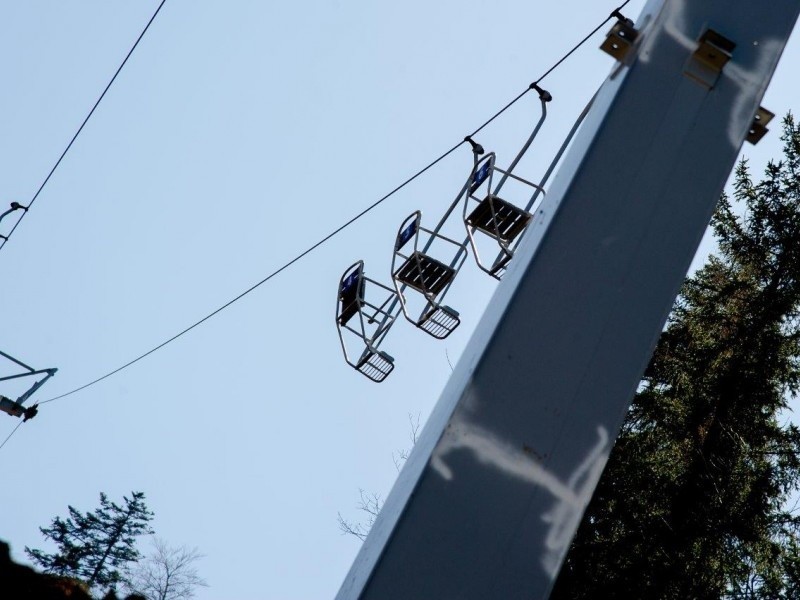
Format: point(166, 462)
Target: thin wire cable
point(86, 120)
point(338, 229)
point(10, 434)
point(267, 278)
point(613, 14)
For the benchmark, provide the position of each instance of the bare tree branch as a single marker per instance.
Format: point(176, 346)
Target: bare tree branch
point(370, 503)
point(167, 573)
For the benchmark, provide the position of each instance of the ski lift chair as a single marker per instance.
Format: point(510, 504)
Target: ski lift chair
point(373, 322)
point(16, 408)
point(486, 214)
point(417, 269)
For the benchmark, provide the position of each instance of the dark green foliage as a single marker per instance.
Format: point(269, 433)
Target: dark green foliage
point(95, 547)
point(693, 502)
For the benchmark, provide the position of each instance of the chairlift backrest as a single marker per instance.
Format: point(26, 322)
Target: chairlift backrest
point(406, 233)
point(481, 172)
point(351, 293)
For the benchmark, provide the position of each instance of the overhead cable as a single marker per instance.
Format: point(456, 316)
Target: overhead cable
point(4, 239)
point(339, 229)
point(5, 441)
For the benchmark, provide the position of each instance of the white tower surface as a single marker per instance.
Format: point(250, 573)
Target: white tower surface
point(493, 492)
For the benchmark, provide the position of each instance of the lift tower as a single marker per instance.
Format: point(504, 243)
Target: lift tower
point(491, 496)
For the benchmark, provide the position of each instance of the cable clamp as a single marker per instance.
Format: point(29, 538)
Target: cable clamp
point(544, 95)
point(30, 412)
point(477, 149)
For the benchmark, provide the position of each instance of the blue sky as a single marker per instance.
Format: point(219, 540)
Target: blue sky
point(238, 135)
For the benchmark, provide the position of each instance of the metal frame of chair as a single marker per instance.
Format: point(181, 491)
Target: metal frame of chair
point(430, 277)
point(373, 323)
point(486, 212)
point(375, 319)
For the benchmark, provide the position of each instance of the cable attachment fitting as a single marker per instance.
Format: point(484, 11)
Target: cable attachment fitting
point(14, 206)
point(615, 14)
point(544, 95)
point(477, 149)
point(620, 39)
point(30, 412)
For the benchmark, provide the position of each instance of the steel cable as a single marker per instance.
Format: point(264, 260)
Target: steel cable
point(324, 239)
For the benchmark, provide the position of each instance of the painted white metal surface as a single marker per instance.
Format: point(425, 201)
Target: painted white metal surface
point(494, 490)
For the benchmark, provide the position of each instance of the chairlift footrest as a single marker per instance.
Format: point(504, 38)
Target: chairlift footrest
point(375, 365)
point(499, 219)
point(498, 270)
point(425, 274)
point(500, 265)
point(439, 321)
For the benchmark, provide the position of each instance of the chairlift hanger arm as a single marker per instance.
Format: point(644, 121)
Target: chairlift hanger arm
point(477, 150)
point(544, 100)
point(560, 153)
point(446, 215)
point(539, 189)
point(14, 207)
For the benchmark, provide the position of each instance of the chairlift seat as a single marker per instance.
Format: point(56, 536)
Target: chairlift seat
point(499, 219)
point(375, 365)
point(440, 321)
point(425, 274)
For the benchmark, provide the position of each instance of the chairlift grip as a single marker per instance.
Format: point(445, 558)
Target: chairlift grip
point(477, 149)
point(544, 95)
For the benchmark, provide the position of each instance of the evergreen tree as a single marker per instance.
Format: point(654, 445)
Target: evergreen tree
point(95, 547)
point(693, 501)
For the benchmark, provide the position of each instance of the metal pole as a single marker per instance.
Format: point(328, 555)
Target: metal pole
point(493, 492)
